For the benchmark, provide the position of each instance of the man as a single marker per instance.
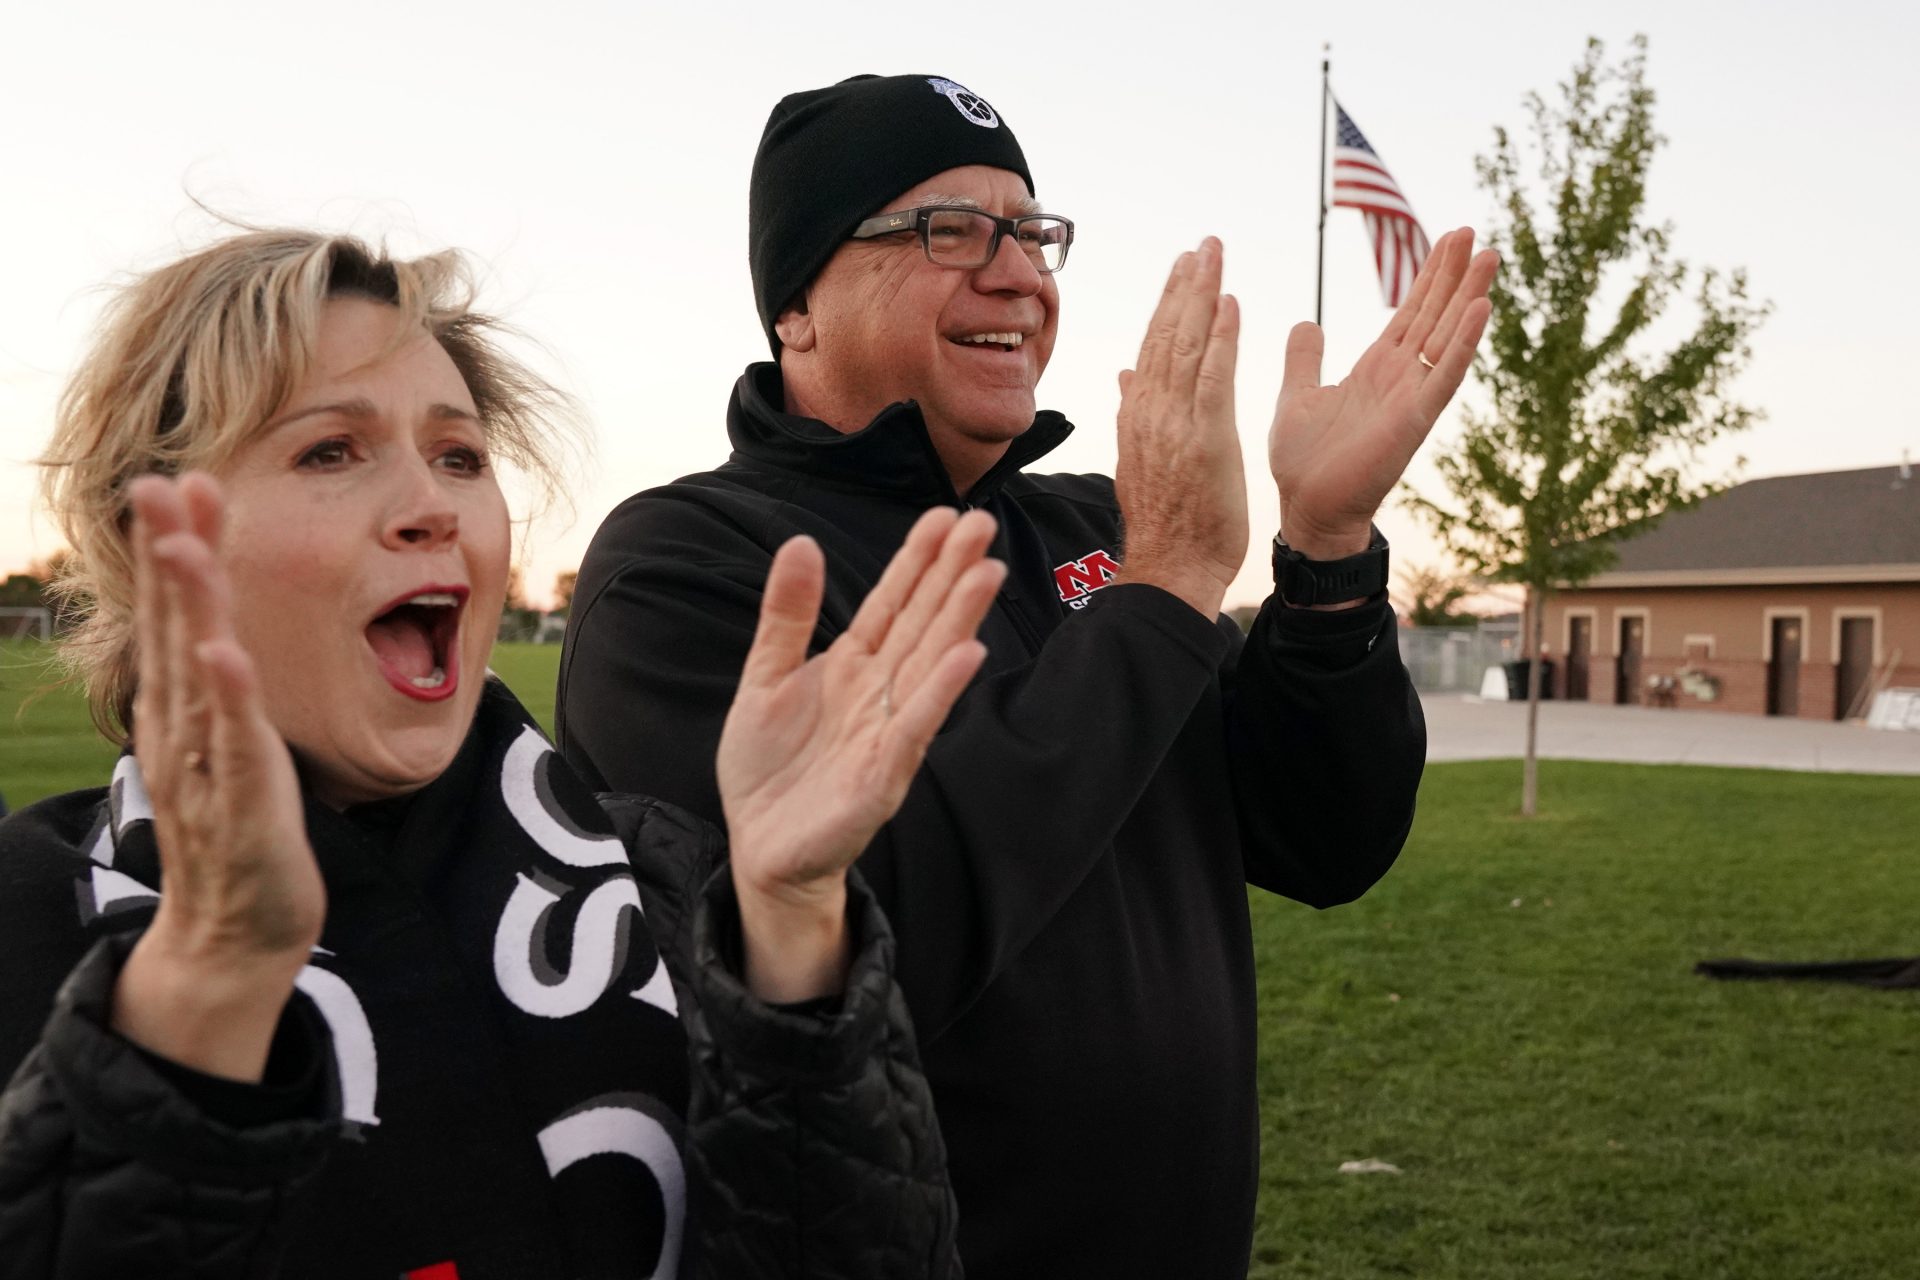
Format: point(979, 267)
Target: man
point(1067, 876)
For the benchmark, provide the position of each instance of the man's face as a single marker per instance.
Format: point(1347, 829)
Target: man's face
point(889, 325)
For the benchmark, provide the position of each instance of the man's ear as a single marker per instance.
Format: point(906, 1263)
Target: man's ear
point(794, 328)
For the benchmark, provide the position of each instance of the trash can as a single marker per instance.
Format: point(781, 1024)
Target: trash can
point(1517, 679)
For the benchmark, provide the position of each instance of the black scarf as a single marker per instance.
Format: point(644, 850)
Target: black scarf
point(513, 1072)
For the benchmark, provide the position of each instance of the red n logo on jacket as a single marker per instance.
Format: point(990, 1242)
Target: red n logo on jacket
point(1077, 579)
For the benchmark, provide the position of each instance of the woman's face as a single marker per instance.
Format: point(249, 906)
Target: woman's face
point(368, 543)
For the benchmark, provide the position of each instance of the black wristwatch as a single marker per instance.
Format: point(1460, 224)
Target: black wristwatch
point(1302, 582)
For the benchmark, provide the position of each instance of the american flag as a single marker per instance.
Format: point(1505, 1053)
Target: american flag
point(1361, 182)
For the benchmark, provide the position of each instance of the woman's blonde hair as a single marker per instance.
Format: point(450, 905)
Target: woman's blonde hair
point(193, 358)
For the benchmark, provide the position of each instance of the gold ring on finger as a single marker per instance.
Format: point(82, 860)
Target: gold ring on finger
point(195, 761)
point(1424, 361)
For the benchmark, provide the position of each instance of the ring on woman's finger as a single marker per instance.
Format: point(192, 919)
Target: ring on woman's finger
point(1424, 361)
point(196, 762)
point(886, 699)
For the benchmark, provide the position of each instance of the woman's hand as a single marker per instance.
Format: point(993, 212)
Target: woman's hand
point(242, 901)
point(816, 755)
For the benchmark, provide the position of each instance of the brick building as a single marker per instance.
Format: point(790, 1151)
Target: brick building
point(1793, 595)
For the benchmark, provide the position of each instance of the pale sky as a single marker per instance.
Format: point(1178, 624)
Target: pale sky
point(594, 158)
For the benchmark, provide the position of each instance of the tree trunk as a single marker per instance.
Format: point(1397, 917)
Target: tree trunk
point(1535, 621)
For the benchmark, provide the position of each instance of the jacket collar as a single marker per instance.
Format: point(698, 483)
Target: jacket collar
point(892, 454)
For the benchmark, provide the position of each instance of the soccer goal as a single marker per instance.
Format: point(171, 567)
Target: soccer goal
point(19, 622)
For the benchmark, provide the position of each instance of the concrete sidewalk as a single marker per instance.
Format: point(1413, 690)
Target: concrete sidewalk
point(1465, 728)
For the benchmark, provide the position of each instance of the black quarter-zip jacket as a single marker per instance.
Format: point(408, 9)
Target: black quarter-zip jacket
point(1067, 876)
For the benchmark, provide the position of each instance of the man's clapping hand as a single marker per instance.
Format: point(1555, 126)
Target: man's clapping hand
point(1337, 451)
point(1180, 481)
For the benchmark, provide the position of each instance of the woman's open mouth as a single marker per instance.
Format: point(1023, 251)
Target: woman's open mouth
point(416, 642)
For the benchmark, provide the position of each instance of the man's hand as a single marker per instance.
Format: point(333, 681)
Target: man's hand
point(1181, 485)
point(1337, 451)
point(817, 753)
point(243, 901)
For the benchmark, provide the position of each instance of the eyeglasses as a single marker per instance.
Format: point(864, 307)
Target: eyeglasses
point(959, 236)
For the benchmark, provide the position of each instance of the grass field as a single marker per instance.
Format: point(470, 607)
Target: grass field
point(1510, 1018)
point(49, 745)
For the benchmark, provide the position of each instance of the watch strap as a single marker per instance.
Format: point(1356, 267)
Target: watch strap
point(1302, 582)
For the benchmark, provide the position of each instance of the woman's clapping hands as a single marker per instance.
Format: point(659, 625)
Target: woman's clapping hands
point(243, 901)
point(818, 753)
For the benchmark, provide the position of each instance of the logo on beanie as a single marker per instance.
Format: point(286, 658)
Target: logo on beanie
point(967, 103)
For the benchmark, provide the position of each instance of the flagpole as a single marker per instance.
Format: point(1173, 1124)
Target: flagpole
point(1326, 92)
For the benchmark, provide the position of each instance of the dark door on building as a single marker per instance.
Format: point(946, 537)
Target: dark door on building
point(1626, 676)
point(1579, 649)
point(1783, 669)
point(1856, 663)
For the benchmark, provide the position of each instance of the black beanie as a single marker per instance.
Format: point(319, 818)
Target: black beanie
point(831, 158)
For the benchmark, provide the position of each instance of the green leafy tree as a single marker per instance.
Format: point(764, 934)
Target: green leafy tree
point(23, 591)
point(1589, 431)
point(1429, 594)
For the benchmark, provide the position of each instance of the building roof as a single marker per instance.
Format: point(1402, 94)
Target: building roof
point(1831, 526)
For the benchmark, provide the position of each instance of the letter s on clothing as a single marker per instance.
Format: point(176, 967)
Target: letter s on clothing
point(523, 785)
point(600, 935)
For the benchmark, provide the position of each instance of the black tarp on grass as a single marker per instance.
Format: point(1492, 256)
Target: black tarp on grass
point(1893, 975)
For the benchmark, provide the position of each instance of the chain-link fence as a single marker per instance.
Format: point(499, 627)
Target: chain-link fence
point(20, 621)
point(1455, 659)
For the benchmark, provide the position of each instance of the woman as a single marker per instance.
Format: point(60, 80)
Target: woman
point(488, 1073)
